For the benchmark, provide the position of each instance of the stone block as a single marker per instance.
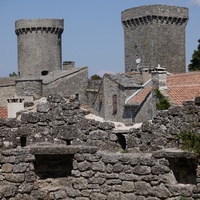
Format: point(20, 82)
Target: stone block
point(109, 159)
point(98, 196)
point(141, 170)
point(20, 167)
point(128, 177)
point(160, 169)
point(98, 166)
point(43, 107)
point(143, 188)
point(14, 178)
point(7, 168)
point(113, 182)
point(83, 166)
point(118, 167)
point(127, 186)
point(8, 190)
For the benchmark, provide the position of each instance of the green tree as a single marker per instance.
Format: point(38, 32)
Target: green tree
point(195, 61)
point(12, 74)
point(95, 77)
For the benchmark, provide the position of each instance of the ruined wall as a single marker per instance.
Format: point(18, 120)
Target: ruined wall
point(57, 153)
point(92, 176)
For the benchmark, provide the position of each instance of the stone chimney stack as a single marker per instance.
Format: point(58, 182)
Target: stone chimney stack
point(159, 76)
point(67, 65)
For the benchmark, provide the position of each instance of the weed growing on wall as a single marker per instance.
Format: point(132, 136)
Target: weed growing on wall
point(162, 102)
point(189, 141)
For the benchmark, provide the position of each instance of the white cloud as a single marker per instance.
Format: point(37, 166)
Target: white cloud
point(195, 2)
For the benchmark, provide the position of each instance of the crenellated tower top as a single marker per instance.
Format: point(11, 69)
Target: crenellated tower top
point(39, 46)
point(155, 34)
point(55, 26)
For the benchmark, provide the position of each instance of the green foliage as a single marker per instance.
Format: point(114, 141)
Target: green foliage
point(183, 198)
point(12, 74)
point(195, 61)
point(189, 141)
point(162, 103)
point(124, 151)
point(95, 77)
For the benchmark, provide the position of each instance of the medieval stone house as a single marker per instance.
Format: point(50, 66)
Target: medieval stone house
point(113, 98)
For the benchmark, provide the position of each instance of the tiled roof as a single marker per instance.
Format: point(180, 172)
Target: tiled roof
point(131, 79)
point(3, 112)
point(183, 87)
point(140, 96)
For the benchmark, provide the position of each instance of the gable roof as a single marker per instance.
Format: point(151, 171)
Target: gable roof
point(183, 87)
point(127, 80)
point(140, 95)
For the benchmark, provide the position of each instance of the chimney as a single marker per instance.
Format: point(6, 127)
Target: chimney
point(67, 65)
point(146, 75)
point(159, 76)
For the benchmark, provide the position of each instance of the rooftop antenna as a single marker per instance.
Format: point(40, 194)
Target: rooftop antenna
point(138, 61)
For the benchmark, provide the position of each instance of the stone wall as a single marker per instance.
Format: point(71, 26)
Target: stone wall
point(29, 87)
point(69, 85)
point(156, 35)
point(93, 176)
point(6, 91)
point(58, 153)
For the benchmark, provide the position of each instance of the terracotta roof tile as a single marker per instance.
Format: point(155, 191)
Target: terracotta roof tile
point(140, 97)
point(183, 87)
point(3, 112)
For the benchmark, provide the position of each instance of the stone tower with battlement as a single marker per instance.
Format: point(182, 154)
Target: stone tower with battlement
point(39, 46)
point(153, 35)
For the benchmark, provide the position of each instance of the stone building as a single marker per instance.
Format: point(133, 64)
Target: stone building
point(112, 101)
point(155, 34)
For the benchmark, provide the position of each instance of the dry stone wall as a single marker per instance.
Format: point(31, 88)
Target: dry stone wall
point(56, 153)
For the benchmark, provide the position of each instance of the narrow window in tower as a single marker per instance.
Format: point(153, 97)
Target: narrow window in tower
point(114, 101)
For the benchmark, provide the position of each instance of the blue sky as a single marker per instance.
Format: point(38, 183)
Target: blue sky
point(93, 34)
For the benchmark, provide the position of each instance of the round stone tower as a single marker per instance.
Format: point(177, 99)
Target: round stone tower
point(39, 46)
point(153, 35)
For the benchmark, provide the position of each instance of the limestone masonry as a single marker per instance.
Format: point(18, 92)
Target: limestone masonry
point(39, 46)
point(59, 153)
point(155, 35)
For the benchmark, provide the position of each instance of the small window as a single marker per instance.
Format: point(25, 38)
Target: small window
point(44, 73)
point(114, 99)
